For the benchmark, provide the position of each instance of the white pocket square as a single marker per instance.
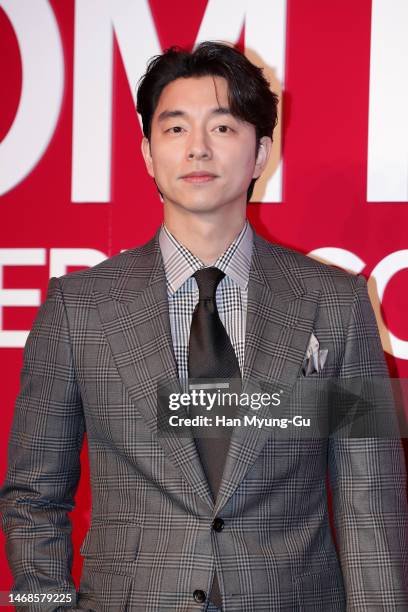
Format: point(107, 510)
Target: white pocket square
point(315, 357)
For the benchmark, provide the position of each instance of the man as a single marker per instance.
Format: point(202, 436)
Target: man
point(182, 523)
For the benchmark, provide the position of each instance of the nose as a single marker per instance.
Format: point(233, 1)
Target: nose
point(198, 146)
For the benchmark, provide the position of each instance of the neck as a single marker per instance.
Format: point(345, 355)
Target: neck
point(206, 237)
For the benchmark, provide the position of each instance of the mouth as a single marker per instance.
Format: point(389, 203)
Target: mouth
point(199, 177)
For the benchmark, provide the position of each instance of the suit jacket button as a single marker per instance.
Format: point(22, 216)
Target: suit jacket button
point(199, 595)
point(218, 524)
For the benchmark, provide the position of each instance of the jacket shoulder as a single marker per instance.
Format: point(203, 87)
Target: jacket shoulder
point(109, 271)
point(312, 274)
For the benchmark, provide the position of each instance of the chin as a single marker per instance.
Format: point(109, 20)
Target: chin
point(202, 206)
point(191, 204)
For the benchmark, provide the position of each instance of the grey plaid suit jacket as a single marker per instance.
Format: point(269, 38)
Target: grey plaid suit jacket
point(99, 345)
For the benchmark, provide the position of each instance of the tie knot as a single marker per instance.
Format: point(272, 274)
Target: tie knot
point(207, 281)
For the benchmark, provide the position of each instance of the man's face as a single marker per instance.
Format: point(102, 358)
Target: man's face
point(192, 131)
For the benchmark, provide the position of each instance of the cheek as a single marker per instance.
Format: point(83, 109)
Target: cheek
point(166, 160)
point(242, 164)
point(240, 153)
point(161, 165)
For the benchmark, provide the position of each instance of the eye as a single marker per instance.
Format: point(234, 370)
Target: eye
point(176, 129)
point(223, 129)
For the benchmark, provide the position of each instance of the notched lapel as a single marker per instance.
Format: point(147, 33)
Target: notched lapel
point(280, 319)
point(135, 319)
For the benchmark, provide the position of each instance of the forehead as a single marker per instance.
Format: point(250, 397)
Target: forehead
point(194, 94)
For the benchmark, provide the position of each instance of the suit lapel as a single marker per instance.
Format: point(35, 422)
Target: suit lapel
point(135, 319)
point(280, 318)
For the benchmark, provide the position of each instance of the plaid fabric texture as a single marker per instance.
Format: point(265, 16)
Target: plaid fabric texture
point(100, 344)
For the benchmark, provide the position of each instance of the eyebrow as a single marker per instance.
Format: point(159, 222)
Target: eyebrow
point(168, 114)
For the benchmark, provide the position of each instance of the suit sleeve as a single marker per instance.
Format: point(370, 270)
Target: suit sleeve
point(368, 483)
point(44, 458)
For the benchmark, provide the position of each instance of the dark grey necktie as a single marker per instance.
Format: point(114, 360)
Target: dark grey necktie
point(211, 356)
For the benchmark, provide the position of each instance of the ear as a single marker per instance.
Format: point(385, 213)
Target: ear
point(147, 156)
point(264, 152)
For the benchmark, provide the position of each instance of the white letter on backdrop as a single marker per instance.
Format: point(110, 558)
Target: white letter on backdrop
point(60, 259)
point(42, 61)
point(18, 297)
point(387, 172)
point(95, 23)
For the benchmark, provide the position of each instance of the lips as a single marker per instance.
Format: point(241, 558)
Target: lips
point(199, 177)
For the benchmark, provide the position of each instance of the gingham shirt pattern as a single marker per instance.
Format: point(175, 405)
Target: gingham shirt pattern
point(182, 290)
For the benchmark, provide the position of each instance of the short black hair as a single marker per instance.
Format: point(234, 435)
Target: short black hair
point(249, 94)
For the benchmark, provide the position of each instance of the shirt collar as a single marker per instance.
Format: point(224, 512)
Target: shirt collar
point(180, 263)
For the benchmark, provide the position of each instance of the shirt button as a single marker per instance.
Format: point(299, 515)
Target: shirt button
point(199, 596)
point(218, 524)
